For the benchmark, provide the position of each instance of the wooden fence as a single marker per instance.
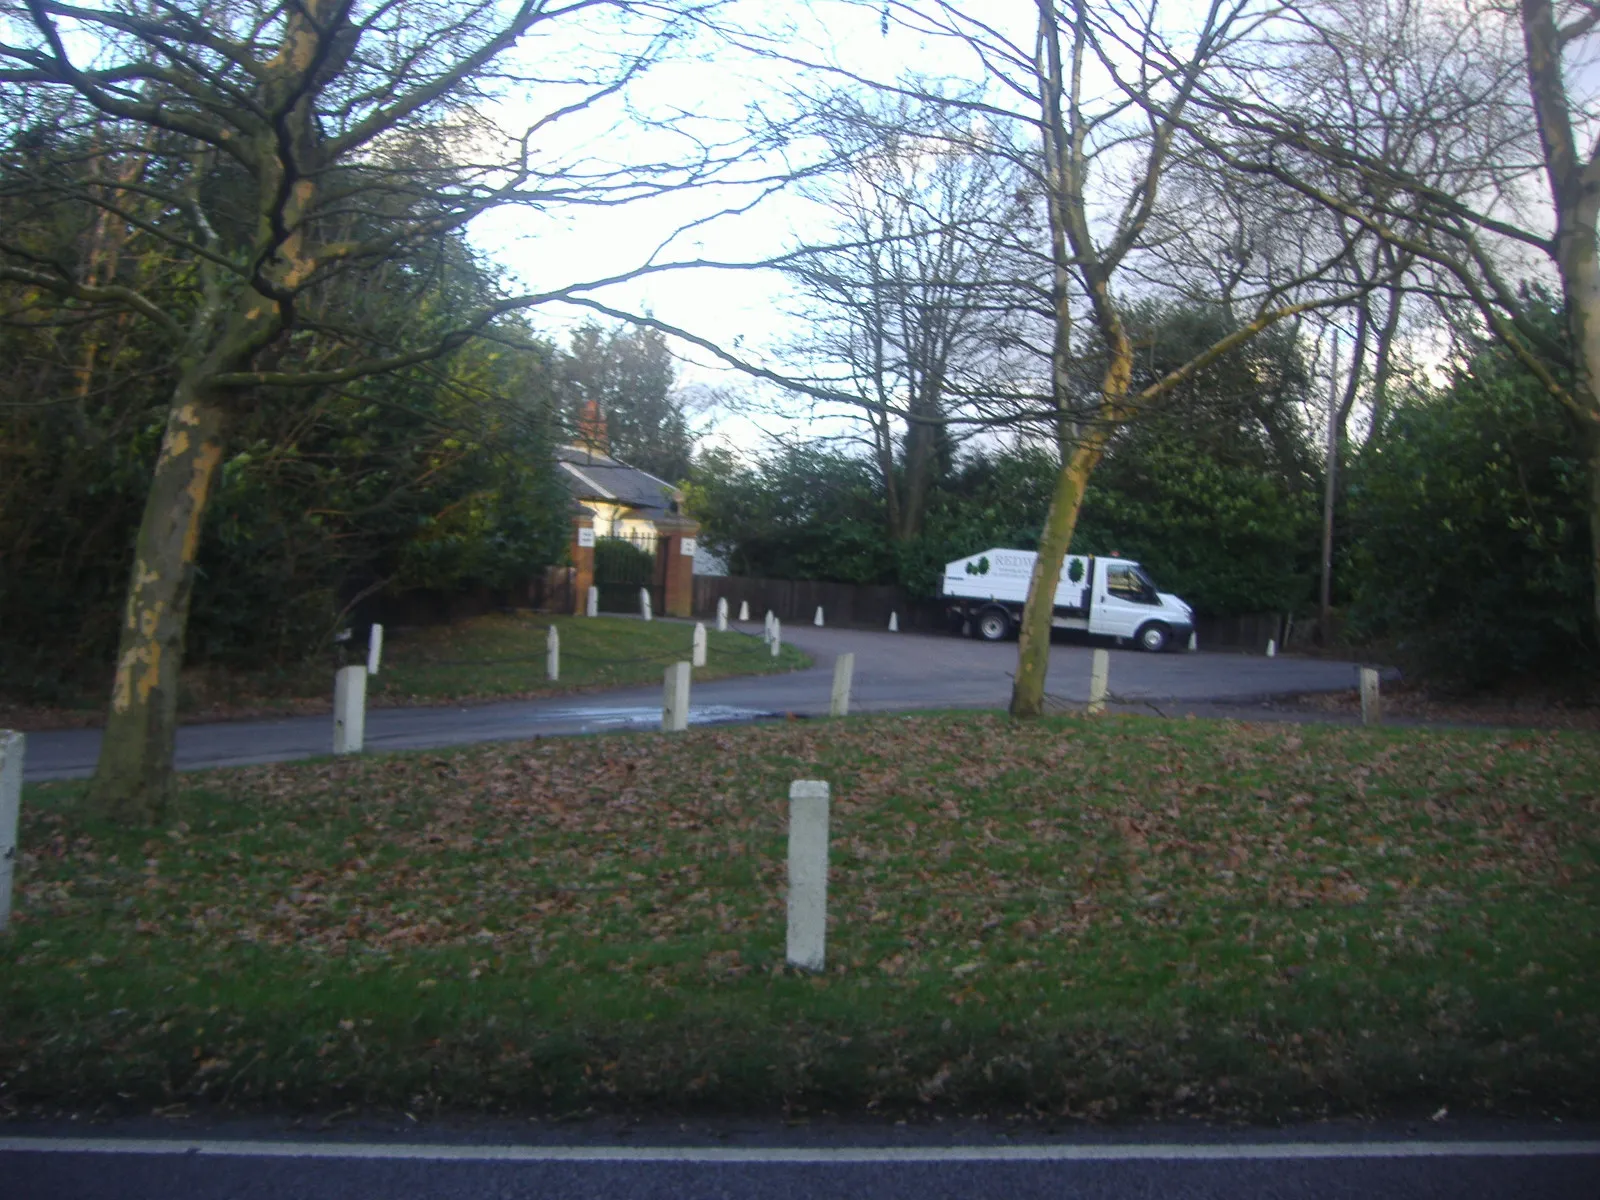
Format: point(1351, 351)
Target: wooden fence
point(869, 605)
point(795, 601)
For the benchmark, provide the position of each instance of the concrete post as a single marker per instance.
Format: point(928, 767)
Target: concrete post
point(697, 651)
point(1371, 699)
point(349, 710)
point(777, 637)
point(592, 604)
point(675, 698)
point(1194, 641)
point(894, 622)
point(744, 610)
point(722, 614)
point(1099, 679)
point(1272, 647)
point(374, 648)
point(808, 874)
point(817, 620)
point(844, 672)
point(13, 746)
point(644, 603)
point(552, 654)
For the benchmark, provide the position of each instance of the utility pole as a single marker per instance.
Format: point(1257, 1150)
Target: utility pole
point(1325, 619)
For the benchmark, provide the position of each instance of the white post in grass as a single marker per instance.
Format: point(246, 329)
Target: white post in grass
point(777, 637)
point(12, 748)
point(1099, 679)
point(1371, 699)
point(591, 606)
point(808, 874)
point(722, 614)
point(552, 654)
point(744, 610)
point(894, 622)
point(1194, 641)
point(675, 698)
point(1272, 647)
point(374, 648)
point(349, 710)
point(697, 648)
point(817, 620)
point(644, 603)
point(844, 672)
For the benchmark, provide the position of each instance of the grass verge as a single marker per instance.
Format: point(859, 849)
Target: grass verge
point(494, 657)
point(1102, 917)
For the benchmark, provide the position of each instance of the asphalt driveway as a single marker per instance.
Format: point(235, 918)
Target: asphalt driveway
point(894, 672)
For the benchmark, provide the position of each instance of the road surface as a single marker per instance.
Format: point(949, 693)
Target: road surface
point(893, 672)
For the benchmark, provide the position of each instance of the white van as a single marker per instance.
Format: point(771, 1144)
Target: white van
point(1113, 597)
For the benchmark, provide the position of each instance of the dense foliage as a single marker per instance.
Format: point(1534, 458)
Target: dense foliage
point(433, 478)
point(628, 371)
point(1470, 539)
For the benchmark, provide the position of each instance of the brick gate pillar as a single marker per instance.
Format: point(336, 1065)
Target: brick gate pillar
point(676, 547)
point(582, 561)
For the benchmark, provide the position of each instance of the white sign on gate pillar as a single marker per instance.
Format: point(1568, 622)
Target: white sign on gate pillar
point(13, 747)
point(552, 654)
point(697, 651)
point(1099, 679)
point(349, 710)
point(844, 671)
point(722, 614)
point(808, 874)
point(675, 698)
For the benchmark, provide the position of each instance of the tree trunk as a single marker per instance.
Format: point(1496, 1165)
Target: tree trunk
point(1033, 644)
point(133, 780)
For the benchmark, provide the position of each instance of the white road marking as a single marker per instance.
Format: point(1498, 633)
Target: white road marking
point(819, 1155)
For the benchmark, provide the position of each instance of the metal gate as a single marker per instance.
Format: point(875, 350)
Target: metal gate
point(625, 563)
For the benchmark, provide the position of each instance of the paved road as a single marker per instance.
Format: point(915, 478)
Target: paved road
point(893, 672)
point(1552, 1166)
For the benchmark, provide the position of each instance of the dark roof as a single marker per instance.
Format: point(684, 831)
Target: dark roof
point(595, 476)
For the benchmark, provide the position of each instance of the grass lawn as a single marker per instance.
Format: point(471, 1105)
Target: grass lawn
point(481, 658)
point(1082, 917)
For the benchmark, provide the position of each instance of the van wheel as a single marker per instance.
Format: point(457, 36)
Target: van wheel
point(994, 624)
point(1154, 637)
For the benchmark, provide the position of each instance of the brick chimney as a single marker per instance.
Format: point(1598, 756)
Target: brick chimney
point(592, 429)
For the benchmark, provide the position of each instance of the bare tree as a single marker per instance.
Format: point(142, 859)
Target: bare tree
point(921, 304)
point(267, 151)
point(1469, 142)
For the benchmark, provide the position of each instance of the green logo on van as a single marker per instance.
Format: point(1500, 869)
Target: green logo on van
point(981, 567)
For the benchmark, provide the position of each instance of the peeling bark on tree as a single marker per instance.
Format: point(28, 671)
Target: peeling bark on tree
point(134, 781)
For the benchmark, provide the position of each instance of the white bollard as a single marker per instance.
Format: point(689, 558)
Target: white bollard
point(817, 620)
point(844, 672)
point(1371, 699)
point(744, 610)
point(374, 648)
point(808, 874)
point(777, 637)
point(591, 607)
point(675, 698)
point(697, 650)
point(644, 603)
point(1272, 647)
point(552, 654)
point(1099, 679)
point(722, 614)
point(349, 710)
point(13, 747)
point(1194, 641)
point(894, 622)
